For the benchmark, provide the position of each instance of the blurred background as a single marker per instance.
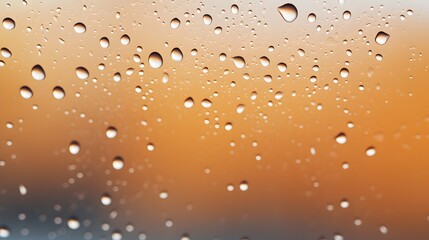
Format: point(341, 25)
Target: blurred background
point(214, 119)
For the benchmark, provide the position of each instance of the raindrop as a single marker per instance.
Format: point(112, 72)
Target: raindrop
point(105, 199)
point(239, 61)
point(38, 73)
point(104, 42)
point(207, 19)
point(341, 138)
point(344, 72)
point(6, 53)
point(79, 27)
point(118, 163)
point(58, 92)
point(163, 195)
point(4, 232)
point(8, 23)
point(347, 15)
point(383, 229)
point(74, 147)
point(288, 12)
point(155, 60)
point(26, 92)
point(311, 17)
point(189, 102)
point(344, 203)
point(177, 55)
point(234, 9)
point(150, 147)
point(22, 190)
point(282, 67)
point(125, 39)
point(206, 103)
point(73, 223)
point(175, 23)
point(370, 152)
point(381, 37)
point(264, 61)
point(82, 73)
point(240, 108)
point(111, 132)
point(244, 186)
point(228, 126)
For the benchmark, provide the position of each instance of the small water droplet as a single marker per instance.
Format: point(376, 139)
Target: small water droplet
point(228, 126)
point(244, 186)
point(104, 42)
point(105, 199)
point(239, 61)
point(383, 229)
point(311, 17)
point(344, 203)
point(206, 103)
point(22, 190)
point(73, 223)
point(189, 102)
point(155, 60)
point(288, 12)
point(74, 147)
point(381, 37)
point(370, 152)
point(240, 108)
point(347, 15)
point(177, 55)
point(118, 163)
point(341, 138)
point(150, 147)
point(38, 73)
point(163, 195)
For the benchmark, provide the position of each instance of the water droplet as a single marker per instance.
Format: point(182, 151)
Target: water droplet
point(311, 17)
point(189, 102)
point(218, 30)
point(239, 61)
point(344, 203)
point(8, 23)
point(177, 55)
point(79, 27)
point(357, 222)
point(74, 147)
point(234, 9)
point(228, 126)
point(163, 195)
point(125, 39)
point(175, 23)
point(6, 53)
point(73, 223)
point(341, 138)
point(155, 60)
point(4, 232)
point(344, 72)
point(383, 229)
point(105, 199)
point(22, 190)
point(82, 73)
point(282, 67)
point(206, 103)
point(38, 73)
point(381, 37)
point(116, 235)
point(58, 92)
point(240, 108)
point(118, 163)
point(244, 186)
point(111, 132)
point(104, 42)
point(26, 92)
point(279, 95)
point(207, 19)
point(150, 147)
point(347, 15)
point(288, 12)
point(264, 61)
point(370, 152)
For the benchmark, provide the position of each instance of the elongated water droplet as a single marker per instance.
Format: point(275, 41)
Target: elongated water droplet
point(207, 19)
point(239, 61)
point(370, 152)
point(234, 9)
point(288, 12)
point(206, 103)
point(82, 73)
point(26, 92)
point(381, 37)
point(6, 53)
point(155, 60)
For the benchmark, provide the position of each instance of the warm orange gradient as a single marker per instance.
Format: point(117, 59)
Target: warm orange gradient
point(285, 149)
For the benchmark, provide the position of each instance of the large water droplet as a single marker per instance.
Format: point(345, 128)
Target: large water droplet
point(381, 37)
point(244, 186)
point(207, 19)
point(370, 152)
point(4, 232)
point(6, 53)
point(228, 126)
point(239, 61)
point(8, 23)
point(175, 23)
point(125, 39)
point(73, 223)
point(288, 12)
point(82, 73)
point(347, 15)
point(58, 92)
point(79, 27)
point(176, 54)
point(26, 92)
point(206, 103)
point(118, 163)
point(234, 9)
point(341, 138)
point(344, 72)
point(38, 73)
point(105, 199)
point(155, 60)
